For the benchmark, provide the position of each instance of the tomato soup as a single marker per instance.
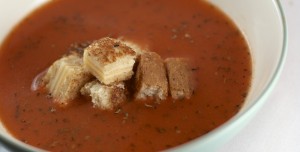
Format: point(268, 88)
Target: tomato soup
point(192, 29)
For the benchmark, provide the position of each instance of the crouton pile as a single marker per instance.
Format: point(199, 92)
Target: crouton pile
point(106, 64)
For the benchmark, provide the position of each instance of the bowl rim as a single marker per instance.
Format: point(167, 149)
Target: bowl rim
point(18, 146)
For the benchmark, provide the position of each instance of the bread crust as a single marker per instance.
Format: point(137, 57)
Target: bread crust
point(105, 97)
point(64, 78)
point(109, 60)
point(151, 79)
point(180, 78)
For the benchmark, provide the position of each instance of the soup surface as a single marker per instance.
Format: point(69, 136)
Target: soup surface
point(177, 28)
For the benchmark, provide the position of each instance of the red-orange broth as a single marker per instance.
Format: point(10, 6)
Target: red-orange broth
point(177, 28)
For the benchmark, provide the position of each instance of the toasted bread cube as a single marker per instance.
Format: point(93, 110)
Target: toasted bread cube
point(180, 78)
point(109, 60)
point(106, 97)
point(151, 79)
point(64, 79)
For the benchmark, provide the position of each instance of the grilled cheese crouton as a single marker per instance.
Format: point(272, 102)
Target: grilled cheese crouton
point(109, 60)
point(65, 77)
point(106, 97)
point(180, 78)
point(151, 80)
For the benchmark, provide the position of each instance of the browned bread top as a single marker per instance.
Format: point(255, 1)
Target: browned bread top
point(108, 50)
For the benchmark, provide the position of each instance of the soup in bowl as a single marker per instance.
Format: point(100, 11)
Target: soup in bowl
point(235, 52)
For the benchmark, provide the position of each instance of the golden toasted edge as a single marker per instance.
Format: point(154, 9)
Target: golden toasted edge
point(180, 78)
point(108, 52)
point(151, 79)
point(64, 78)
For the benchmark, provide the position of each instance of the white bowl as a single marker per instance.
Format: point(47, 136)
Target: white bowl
point(263, 25)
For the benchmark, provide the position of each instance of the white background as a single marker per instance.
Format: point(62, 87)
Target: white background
point(276, 127)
